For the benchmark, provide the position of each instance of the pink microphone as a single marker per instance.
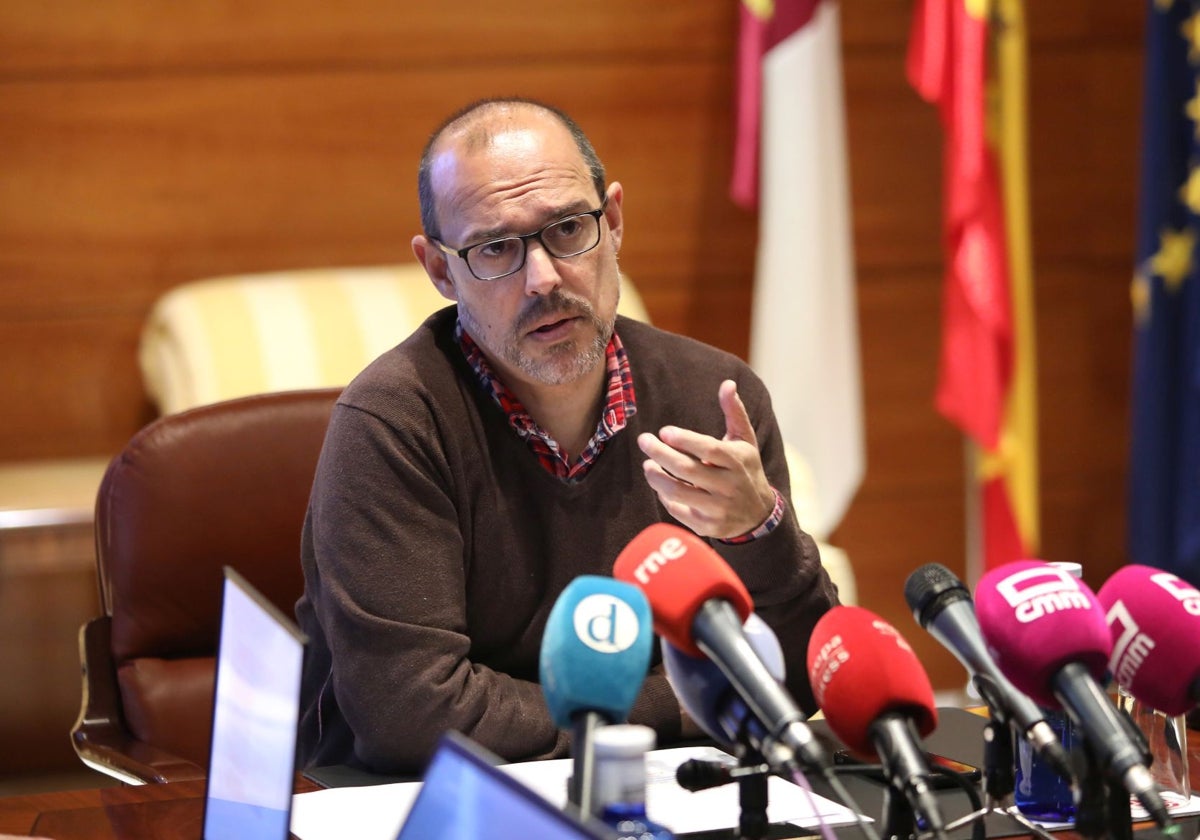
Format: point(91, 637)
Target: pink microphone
point(1046, 631)
point(1036, 618)
point(1154, 618)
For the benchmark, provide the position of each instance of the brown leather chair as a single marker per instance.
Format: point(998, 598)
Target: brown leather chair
point(225, 484)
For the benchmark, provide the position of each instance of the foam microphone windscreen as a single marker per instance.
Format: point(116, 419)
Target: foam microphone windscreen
point(860, 668)
point(1036, 618)
point(1154, 619)
point(679, 572)
point(596, 649)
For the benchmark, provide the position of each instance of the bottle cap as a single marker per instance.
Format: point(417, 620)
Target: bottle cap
point(627, 740)
point(1075, 570)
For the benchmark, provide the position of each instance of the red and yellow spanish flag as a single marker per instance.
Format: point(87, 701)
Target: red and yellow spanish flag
point(791, 164)
point(968, 58)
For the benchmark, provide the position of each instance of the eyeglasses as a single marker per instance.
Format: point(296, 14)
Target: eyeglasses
point(496, 258)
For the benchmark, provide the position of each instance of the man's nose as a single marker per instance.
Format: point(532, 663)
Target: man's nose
point(541, 270)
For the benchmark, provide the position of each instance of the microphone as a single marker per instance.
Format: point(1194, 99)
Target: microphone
point(699, 604)
point(942, 605)
point(1154, 618)
point(696, 775)
point(1047, 633)
point(594, 657)
point(711, 700)
point(878, 699)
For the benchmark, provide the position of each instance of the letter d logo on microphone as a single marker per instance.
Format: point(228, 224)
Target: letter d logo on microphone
point(605, 623)
point(596, 649)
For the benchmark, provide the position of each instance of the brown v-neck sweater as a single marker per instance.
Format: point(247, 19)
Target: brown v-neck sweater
point(435, 545)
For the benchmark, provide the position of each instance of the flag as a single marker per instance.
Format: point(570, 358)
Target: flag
point(1164, 472)
point(986, 377)
point(790, 162)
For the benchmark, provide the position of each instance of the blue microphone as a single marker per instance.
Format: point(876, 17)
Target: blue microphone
point(594, 657)
point(709, 697)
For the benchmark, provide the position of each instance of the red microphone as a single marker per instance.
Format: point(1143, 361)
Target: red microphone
point(876, 698)
point(699, 606)
point(1154, 618)
point(680, 573)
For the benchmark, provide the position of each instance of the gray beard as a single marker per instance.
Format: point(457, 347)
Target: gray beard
point(562, 363)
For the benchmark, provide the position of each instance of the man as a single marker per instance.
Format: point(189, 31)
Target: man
point(515, 441)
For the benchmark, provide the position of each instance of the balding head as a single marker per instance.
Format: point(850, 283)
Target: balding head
point(475, 128)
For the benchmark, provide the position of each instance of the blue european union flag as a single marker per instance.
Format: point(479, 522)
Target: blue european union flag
point(1164, 491)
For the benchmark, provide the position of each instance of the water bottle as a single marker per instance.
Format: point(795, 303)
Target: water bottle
point(1041, 793)
point(619, 794)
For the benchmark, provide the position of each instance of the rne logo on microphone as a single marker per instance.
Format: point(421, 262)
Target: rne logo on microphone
point(1180, 590)
point(1040, 591)
point(1130, 645)
point(672, 548)
point(605, 623)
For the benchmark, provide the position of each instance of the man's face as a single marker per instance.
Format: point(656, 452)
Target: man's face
point(550, 321)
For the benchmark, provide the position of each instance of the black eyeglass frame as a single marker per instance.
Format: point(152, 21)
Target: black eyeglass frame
point(524, 238)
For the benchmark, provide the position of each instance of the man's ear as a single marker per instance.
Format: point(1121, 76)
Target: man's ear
point(436, 266)
point(613, 214)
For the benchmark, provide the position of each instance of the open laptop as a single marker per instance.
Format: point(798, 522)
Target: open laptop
point(256, 712)
point(464, 796)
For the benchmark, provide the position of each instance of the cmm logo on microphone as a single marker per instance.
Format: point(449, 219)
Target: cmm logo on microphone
point(1182, 591)
point(1130, 645)
point(1041, 590)
point(605, 623)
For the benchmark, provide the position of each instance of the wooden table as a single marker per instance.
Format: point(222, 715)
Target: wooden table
point(174, 811)
point(145, 812)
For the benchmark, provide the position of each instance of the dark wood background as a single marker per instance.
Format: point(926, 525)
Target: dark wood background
point(146, 144)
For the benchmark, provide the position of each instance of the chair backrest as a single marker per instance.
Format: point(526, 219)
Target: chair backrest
point(223, 484)
point(226, 337)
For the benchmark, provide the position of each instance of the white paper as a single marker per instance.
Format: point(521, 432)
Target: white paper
point(1137, 813)
point(376, 812)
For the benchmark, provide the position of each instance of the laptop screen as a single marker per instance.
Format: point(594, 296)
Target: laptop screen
point(256, 711)
point(465, 797)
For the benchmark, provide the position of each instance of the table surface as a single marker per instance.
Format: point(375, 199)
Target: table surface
point(171, 811)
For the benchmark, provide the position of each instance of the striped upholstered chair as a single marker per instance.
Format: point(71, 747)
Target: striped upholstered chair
point(226, 337)
point(217, 339)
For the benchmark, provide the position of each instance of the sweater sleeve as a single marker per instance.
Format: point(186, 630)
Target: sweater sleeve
point(385, 575)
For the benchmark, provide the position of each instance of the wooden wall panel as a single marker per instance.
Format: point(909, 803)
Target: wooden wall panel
point(147, 144)
point(139, 36)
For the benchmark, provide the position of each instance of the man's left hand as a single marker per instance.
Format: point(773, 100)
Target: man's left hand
point(717, 488)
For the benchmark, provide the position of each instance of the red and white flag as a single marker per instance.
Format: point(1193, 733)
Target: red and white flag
point(790, 162)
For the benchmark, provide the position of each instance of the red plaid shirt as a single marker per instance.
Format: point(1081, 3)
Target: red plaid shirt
point(620, 404)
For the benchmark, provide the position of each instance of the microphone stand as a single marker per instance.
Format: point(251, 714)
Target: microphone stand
point(582, 783)
point(1104, 809)
point(899, 823)
point(999, 781)
point(752, 796)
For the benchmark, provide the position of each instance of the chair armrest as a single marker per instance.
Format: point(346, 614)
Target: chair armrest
point(99, 736)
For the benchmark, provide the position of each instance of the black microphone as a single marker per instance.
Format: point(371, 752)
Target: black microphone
point(942, 605)
point(697, 774)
